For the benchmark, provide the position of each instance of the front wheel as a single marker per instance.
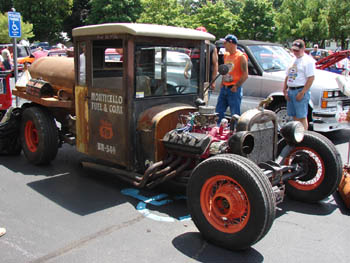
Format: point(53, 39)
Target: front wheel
point(39, 135)
point(321, 164)
point(280, 108)
point(229, 203)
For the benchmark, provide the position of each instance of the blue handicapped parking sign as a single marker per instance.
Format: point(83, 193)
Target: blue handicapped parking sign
point(14, 24)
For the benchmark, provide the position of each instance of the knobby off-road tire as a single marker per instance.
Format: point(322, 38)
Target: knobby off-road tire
point(39, 136)
point(230, 203)
point(10, 143)
point(323, 168)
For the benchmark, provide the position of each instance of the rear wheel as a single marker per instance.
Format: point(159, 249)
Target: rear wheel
point(322, 166)
point(229, 203)
point(2, 114)
point(39, 135)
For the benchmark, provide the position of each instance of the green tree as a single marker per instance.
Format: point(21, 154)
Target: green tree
point(163, 12)
point(26, 30)
point(234, 6)
point(217, 19)
point(5, 6)
point(339, 21)
point(189, 6)
point(46, 16)
point(306, 19)
point(80, 11)
point(108, 11)
point(257, 20)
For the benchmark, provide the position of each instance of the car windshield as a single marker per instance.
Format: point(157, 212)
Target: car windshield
point(163, 71)
point(271, 58)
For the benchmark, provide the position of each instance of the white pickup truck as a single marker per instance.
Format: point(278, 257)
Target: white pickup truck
point(267, 65)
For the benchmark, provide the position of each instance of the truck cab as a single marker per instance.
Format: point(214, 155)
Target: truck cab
point(118, 105)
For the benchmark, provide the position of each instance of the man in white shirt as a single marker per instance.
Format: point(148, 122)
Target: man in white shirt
point(299, 78)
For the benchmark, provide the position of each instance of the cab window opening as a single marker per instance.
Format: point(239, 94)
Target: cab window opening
point(107, 63)
point(164, 71)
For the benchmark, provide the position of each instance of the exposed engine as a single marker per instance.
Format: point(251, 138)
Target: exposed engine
point(198, 135)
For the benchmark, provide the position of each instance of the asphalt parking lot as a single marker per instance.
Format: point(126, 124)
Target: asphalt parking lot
point(63, 213)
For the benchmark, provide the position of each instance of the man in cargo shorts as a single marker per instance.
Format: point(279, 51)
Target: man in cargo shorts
point(299, 78)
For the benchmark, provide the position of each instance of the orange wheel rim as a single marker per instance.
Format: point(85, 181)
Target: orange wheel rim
point(31, 136)
point(315, 158)
point(225, 204)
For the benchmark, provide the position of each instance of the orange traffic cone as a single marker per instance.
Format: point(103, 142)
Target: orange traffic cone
point(344, 186)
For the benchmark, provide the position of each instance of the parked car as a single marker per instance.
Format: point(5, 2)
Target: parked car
point(112, 55)
point(176, 63)
point(26, 60)
point(267, 64)
point(324, 52)
point(57, 53)
point(43, 45)
point(22, 51)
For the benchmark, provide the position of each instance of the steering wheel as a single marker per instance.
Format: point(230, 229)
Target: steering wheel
point(174, 88)
point(180, 89)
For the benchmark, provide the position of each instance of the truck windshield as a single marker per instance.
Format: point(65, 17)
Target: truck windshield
point(271, 58)
point(164, 71)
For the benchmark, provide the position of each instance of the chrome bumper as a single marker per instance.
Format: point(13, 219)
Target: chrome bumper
point(326, 122)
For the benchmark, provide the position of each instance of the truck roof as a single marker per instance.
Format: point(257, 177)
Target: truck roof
point(142, 30)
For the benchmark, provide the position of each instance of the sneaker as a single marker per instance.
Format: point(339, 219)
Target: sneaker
point(2, 231)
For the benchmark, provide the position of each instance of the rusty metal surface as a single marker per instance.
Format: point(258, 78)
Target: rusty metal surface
point(82, 119)
point(107, 120)
point(263, 126)
point(155, 122)
point(49, 102)
point(59, 71)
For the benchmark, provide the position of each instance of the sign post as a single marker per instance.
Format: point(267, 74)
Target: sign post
point(14, 24)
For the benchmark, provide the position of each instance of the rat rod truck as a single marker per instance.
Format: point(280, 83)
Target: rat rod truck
point(140, 118)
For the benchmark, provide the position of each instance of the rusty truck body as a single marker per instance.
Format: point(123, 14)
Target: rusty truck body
point(148, 124)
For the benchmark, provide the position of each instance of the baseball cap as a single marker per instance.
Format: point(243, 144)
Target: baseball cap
point(201, 28)
point(298, 44)
point(231, 39)
point(316, 45)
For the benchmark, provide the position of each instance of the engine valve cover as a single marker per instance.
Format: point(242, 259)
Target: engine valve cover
point(187, 142)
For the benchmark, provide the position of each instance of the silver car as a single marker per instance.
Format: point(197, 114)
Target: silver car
point(267, 64)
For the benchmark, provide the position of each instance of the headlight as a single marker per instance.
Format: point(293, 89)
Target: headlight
point(293, 132)
point(332, 94)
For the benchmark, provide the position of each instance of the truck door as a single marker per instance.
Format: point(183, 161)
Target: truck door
point(107, 116)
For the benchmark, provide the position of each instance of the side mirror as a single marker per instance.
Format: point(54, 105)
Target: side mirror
point(251, 69)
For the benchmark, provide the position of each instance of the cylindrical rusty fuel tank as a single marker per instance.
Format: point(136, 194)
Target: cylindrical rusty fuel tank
point(58, 71)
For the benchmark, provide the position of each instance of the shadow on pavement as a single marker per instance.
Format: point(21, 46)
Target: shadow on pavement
point(194, 246)
point(343, 209)
point(322, 208)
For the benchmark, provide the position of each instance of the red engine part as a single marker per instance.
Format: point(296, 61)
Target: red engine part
point(332, 59)
point(5, 91)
